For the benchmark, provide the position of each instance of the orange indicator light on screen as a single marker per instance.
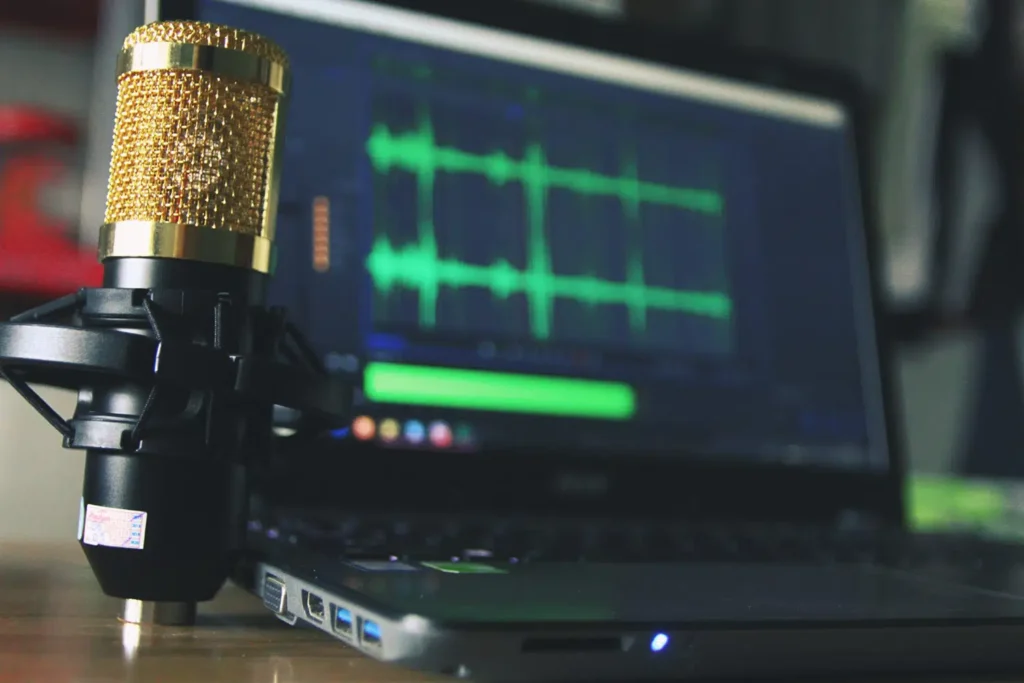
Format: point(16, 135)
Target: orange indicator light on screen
point(321, 234)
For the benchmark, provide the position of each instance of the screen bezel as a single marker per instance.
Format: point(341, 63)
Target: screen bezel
point(610, 484)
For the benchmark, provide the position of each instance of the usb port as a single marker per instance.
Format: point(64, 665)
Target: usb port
point(370, 633)
point(342, 621)
point(314, 606)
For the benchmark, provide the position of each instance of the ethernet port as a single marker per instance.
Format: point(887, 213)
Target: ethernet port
point(314, 606)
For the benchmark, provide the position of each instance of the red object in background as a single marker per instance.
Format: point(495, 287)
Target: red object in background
point(74, 18)
point(38, 253)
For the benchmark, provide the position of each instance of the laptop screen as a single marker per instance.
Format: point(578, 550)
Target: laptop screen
point(523, 245)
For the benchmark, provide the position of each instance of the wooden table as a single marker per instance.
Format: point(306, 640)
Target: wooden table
point(56, 627)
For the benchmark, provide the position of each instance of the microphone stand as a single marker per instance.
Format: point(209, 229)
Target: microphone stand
point(176, 390)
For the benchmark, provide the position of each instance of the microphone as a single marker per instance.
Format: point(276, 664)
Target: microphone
point(176, 359)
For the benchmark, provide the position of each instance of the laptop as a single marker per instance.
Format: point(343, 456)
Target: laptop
point(623, 410)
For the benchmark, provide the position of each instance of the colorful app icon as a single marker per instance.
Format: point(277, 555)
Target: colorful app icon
point(464, 435)
point(440, 434)
point(364, 428)
point(389, 430)
point(415, 432)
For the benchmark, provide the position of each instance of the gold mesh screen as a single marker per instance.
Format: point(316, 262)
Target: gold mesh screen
point(210, 35)
point(190, 147)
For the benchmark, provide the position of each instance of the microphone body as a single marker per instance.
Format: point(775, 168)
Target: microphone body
point(173, 452)
point(190, 209)
point(177, 361)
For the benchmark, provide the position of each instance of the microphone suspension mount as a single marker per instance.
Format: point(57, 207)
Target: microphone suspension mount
point(176, 389)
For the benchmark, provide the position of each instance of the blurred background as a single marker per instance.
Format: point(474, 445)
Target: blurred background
point(942, 80)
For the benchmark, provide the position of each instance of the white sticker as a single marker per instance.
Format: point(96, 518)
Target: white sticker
point(114, 528)
point(81, 517)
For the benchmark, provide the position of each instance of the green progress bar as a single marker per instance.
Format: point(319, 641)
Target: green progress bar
point(419, 265)
point(498, 391)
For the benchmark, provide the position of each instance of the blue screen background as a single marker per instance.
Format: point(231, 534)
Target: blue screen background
point(782, 377)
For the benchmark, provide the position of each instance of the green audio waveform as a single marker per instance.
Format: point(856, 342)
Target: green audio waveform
point(419, 265)
point(418, 152)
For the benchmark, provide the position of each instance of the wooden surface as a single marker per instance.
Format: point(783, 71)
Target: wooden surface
point(56, 627)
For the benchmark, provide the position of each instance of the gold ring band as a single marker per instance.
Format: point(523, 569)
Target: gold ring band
point(235, 64)
point(149, 239)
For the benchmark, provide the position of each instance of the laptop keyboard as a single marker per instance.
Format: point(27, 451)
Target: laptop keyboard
point(517, 541)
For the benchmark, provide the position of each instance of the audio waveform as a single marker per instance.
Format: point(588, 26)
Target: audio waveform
point(418, 152)
point(420, 266)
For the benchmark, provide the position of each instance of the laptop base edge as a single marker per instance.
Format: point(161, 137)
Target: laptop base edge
point(601, 651)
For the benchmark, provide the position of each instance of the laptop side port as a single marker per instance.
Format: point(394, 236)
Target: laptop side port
point(369, 632)
point(314, 606)
point(344, 622)
point(274, 594)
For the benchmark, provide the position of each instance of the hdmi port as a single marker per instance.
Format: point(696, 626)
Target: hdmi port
point(314, 605)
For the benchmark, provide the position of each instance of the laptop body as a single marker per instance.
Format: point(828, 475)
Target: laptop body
point(622, 380)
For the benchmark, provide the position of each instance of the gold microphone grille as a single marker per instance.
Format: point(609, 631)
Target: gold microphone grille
point(195, 135)
point(190, 148)
point(210, 35)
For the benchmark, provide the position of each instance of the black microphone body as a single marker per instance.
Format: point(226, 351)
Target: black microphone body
point(177, 360)
point(182, 456)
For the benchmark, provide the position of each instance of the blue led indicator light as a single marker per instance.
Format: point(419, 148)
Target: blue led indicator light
point(659, 642)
